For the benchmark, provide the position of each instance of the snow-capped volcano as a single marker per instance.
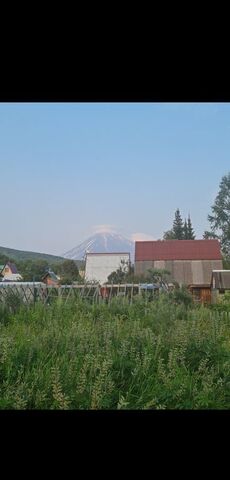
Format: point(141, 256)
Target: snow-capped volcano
point(103, 242)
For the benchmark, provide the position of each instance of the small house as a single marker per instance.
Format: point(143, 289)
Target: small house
point(50, 278)
point(10, 273)
point(201, 293)
point(220, 284)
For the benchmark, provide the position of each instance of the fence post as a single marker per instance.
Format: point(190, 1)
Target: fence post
point(35, 295)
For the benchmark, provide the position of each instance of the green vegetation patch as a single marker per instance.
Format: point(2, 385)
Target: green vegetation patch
point(149, 355)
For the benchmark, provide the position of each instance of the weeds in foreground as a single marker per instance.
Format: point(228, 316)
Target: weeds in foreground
point(155, 355)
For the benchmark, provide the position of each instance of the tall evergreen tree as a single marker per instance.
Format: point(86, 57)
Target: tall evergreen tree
point(191, 234)
point(178, 229)
point(220, 218)
point(185, 230)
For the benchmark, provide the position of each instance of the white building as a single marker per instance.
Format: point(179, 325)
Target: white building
point(100, 265)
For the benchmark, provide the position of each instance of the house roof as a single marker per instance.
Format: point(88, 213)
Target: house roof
point(51, 275)
point(177, 250)
point(12, 267)
point(1, 267)
point(221, 279)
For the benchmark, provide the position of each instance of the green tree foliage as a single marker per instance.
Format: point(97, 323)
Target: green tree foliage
point(19, 255)
point(4, 259)
point(220, 218)
point(181, 295)
point(117, 276)
point(169, 235)
point(68, 271)
point(180, 230)
point(32, 270)
point(157, 275)
point(190, 231)
point(209, 235)
point(185, 230)
point(226, 263)
point(178, 226)
point(122, 274)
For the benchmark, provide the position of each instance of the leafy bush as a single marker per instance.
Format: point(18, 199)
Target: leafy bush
point(181, 295)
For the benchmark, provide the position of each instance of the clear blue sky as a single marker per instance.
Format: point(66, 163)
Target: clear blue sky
point(70, 166)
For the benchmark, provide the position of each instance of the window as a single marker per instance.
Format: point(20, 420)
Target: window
point(196, 293)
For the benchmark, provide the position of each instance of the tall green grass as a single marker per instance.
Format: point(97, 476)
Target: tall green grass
point(154, 355)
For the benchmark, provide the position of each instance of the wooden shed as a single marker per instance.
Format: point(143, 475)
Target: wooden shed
point(190, 262)
point(50, 278)
point(201, 293)
point(220, 283)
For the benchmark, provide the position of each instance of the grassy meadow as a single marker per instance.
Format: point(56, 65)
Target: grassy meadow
point(147, 355)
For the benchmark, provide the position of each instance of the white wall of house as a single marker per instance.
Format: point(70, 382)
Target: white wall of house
point(99, 266)
point(12, 277)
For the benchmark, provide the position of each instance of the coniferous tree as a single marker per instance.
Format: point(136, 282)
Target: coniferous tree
point(185, 230)
point(178, 229)
point(191, 234)
point(220, 218)
point(209, 235)
point(169, 235)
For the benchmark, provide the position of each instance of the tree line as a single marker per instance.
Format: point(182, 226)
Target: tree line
point(180, 230)
point(34, 270)
point(219, 221)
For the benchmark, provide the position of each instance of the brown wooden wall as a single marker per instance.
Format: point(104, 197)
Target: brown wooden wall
point(183, 271)
point(50, 281)
point(201, 294)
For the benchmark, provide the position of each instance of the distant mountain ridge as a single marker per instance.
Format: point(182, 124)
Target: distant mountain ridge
point(24, 255)
point(102, 242)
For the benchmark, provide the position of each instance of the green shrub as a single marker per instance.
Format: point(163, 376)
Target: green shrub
point(181, 295)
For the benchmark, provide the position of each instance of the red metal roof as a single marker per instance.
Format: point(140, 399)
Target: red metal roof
point(178, 250)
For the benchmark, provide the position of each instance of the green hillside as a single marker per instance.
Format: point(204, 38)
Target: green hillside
point(20, 255)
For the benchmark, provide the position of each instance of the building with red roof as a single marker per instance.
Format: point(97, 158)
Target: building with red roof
point(190, 262)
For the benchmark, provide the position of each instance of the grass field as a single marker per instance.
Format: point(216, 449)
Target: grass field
point(154, 355)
